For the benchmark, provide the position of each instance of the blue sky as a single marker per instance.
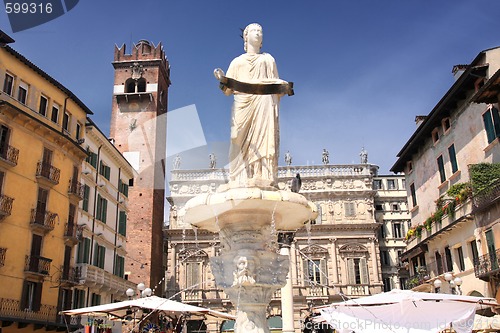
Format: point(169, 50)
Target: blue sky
point(362, 69)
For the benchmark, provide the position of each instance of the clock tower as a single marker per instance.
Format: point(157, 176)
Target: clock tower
point(138, 127)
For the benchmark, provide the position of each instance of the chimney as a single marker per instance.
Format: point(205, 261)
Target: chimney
point(419, 120)
point(458, 70)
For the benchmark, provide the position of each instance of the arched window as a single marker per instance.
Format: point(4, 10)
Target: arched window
point(141, 85)
point(130, 86)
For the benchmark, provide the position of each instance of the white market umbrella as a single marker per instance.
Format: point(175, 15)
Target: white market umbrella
point(153, 303)
point(399, 311)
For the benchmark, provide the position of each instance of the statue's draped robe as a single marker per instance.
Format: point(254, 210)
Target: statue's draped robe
point(254, 122)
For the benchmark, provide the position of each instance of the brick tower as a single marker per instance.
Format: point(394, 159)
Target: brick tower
point(138, 126)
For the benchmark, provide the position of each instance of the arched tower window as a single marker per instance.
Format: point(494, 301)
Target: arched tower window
point(141, 85)
point(130, 86)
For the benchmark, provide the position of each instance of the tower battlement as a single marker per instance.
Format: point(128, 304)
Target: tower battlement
point(142, 50)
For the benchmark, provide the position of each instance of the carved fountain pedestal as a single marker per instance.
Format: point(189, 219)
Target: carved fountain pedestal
point(249, 269)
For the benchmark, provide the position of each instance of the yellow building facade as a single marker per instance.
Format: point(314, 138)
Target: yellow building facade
point(42, 125)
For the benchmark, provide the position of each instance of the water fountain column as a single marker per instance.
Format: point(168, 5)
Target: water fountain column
point(286, 240)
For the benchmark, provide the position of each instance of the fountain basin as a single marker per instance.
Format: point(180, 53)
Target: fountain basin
point(238, 208)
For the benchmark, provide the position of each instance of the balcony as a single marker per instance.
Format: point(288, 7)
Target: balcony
point(193, 295)
point(70, 233)
point(3, 251)
point(9, 155)
point(487, 265)
point(37, 265)
point(46, 316)
point(48, 172)
point(5, 205)
point(76, 189)
point(485, 198)
point(92, 276)
point(70, 276)
point(42, 220)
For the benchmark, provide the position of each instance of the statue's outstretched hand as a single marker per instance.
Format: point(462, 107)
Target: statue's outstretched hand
point(219, 73)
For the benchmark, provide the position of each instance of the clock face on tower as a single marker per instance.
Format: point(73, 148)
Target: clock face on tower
point(134, 107)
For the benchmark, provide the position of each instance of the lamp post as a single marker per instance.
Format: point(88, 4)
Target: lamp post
point(142, 291)
point(454, 282)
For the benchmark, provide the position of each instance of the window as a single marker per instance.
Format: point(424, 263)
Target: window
point(86, 195)
point(413, 195)
point(193, 274)
point(449, 261)
point(78, 131)
point(95, 299)
point(460, 256)
point(387, 284)
point(350, 210)
point(92, 159)
point(8, 83)
point(105, 170)
point(439, 263)
point(379, 207)
point(42, 107)
point(315, 270)
point(122, 225)
point(395, 207)
point(141, 85)
point(377, 184)
point(446, 124)
point(4, 141)
point(453, 158)
point(382, 231)
point(123, 188)
point(491, 120)
point(119, 266)
point(99, 256)
point(357, 270)
point(442, 173)
point(41, 205)
point(66, 120)
point(397, 230)
point(130, 86)
point(391, 184)
point(403, 184)
point(22, 93)
point(54, 116)
point(102, 209)
point(83, 251)
point(31, 296)
point(409, 166)
point(384, 258)
point(78, 299)
point(474, 252)
point(435, 135)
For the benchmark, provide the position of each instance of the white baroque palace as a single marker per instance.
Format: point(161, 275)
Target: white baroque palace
point(362, 219)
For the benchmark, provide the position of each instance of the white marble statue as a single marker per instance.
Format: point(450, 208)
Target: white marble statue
point(254, 123)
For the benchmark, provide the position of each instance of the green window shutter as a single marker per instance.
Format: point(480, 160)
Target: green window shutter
point(488, 126)
point(108, 173)
point(351, 272)
point(122, 266)
point(122, 225)
point(496, 121)
point(363, 268)
point(86, 194)
point(86, 250)
point(104, 212)
point(95, 260)
point(324, 272)
point(102, 256)
point(125, 190)
point(99, 207)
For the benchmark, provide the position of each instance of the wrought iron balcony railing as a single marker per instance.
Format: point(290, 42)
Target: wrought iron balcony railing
point(9, 154)
point(487, 196)
point(5, 205)
point(3, 251)
point(11, 308)
point(48, 171)
point(43, 219)
point(76, 188)
point(37, 265)
point(487, 264)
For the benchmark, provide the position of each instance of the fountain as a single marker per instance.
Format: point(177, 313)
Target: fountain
point(250, 210)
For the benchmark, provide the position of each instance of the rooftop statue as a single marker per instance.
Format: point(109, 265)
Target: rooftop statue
point(253, 80)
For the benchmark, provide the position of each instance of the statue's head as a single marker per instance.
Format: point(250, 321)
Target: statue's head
point(247, 30)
